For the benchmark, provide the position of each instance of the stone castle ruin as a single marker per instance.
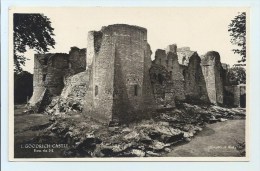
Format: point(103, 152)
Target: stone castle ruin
point(114, 79)
point(119, 61)
point(50, 71)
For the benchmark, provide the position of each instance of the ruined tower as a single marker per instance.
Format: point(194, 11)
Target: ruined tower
point(213, 74)
point(119, 60)
point(50, 72)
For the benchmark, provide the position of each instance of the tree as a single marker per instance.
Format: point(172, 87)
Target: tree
point(23, 86)
point(237, 29)
point(31, 31)
point(236, 75)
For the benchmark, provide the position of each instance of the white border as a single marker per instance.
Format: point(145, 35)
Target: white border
point(11, 106)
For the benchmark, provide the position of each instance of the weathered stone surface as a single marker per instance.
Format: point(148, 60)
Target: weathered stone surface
point(160, 57)
point(235, 96)
point(176, 76)
point(167, 78)
point(120, 86)
point(77, 60)
point(119, 82)
point(184, 54)
point(171, 48)
point(163, 89)
point(51, 70)
point(213, 74)
point(195, 85)
point(75, 85)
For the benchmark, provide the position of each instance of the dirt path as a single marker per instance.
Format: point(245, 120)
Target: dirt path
point(217, 140)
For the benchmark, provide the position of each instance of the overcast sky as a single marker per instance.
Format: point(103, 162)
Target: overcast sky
point(202, 29)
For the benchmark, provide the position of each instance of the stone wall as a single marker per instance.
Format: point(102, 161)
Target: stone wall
point(167, 77)
point(75, 86)
point(117, 80)
point(195, 84)
point(213, 74)
point(162, 87)
point(184, 54)
point(235, 95)
point(160, 57)
point(51, 71)
point(120, 65)
point(226, 68)
point(171, 48)
point(57, 68)
point(176, 75)
point(77, 60)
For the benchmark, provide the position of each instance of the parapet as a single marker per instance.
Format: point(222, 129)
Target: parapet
point(122, 27)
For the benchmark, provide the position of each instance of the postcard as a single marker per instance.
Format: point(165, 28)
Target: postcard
point(129, 84)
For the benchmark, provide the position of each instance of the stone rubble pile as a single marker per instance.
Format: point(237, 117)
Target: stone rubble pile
point(141, 140)
point(154, 137)
point(64, 106)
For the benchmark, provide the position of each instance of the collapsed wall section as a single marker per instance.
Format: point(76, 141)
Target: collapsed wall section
point(49, 71)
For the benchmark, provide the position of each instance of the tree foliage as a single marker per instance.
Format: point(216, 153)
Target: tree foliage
point(31, 31)
point(23, 86)
point(237, 29)
point(236, 75)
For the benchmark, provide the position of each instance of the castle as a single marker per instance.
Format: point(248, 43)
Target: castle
point(119, 79)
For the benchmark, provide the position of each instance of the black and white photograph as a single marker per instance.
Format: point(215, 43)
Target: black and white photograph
point(129, 83)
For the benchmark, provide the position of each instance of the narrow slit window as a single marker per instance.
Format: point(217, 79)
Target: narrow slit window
point(96, 90)
point(136, 90)
point(44, 77)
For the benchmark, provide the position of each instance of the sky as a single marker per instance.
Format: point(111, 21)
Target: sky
point(201, 29)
